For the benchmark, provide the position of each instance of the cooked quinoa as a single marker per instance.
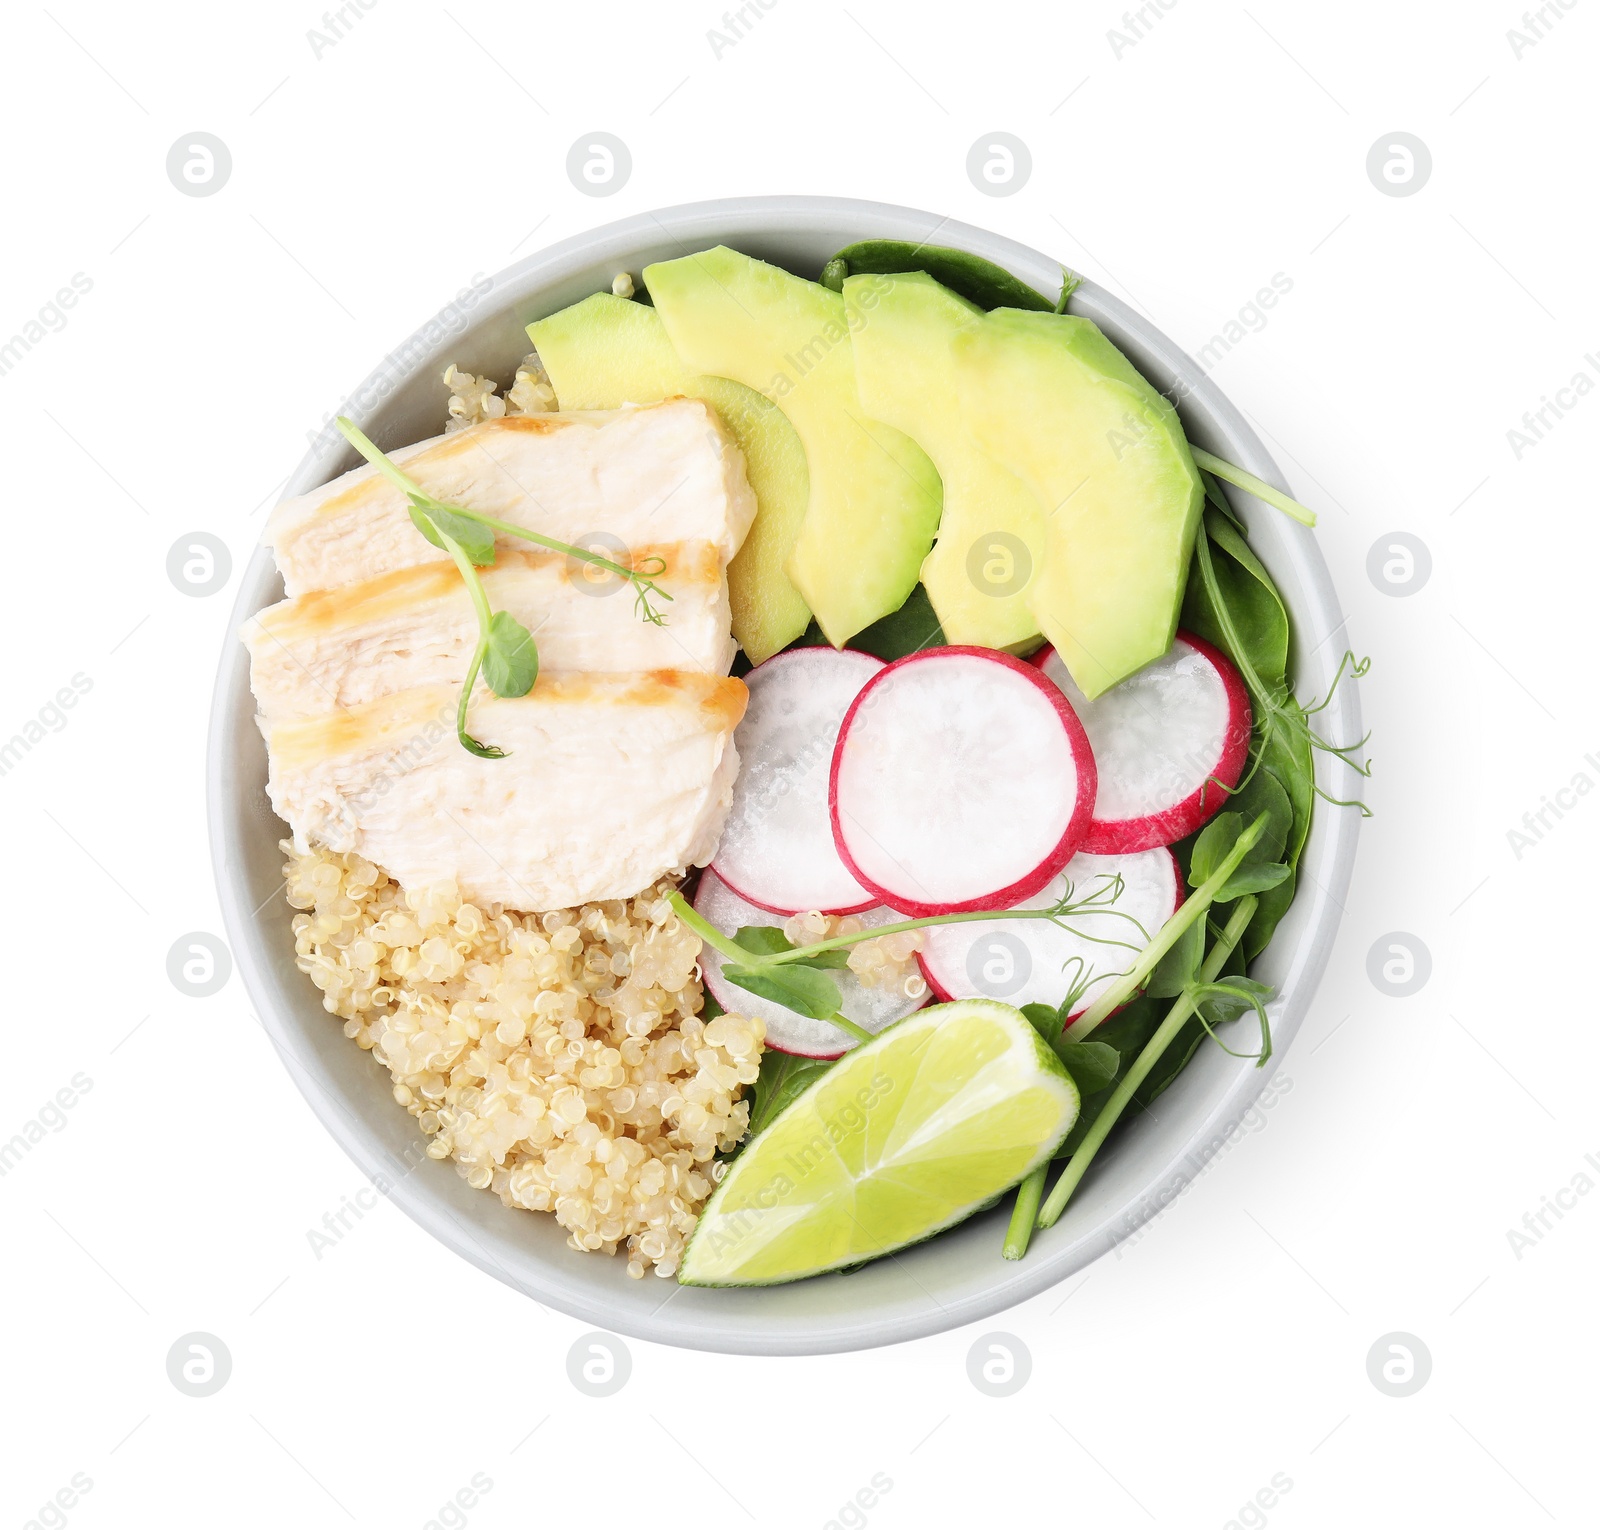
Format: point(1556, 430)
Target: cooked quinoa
point(474, 398)
point(887, 962)
point(558, 1058)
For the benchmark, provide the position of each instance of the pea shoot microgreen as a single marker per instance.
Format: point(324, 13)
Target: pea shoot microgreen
point(762, 960)
point(506, 654)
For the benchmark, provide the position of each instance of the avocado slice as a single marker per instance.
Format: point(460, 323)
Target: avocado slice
point(874, 496)
point(1064, 409)
point(991, 536)
point(607, 351)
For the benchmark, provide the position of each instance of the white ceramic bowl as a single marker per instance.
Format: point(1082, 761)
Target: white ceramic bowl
point(954, 1279)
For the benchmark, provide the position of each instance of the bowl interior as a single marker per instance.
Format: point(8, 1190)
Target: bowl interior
point(958, 1277)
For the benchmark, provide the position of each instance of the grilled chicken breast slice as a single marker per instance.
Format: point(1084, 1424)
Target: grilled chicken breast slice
point(656, 473)
point(414, 627)
point(610, 781)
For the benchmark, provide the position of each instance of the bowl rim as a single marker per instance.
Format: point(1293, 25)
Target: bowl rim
point(1328, 862)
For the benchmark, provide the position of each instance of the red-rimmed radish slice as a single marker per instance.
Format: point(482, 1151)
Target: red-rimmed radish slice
point(777, 847)
point(870, 1008)
point(961, 780)
point(1031, 961)
point(1163, 739)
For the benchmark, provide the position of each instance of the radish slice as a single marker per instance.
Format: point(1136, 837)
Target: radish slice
point(961, 780)
point(870, 1008)
point(777, 846)
point(1163, 739)
point(1031, 961)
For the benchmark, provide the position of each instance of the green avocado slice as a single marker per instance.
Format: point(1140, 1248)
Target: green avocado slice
point(991, 536)
point(1102, 450)
point(874, 495)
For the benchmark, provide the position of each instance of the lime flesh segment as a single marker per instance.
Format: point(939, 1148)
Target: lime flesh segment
point(906, 1135)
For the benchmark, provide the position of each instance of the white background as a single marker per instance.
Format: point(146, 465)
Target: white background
point(1229, 1342)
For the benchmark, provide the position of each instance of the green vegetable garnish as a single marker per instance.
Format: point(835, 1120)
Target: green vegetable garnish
point(763, 961)
point(506, 654)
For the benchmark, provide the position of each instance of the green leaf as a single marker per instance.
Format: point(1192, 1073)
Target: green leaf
point(474, 538)
point(1045, 1019)
point(1126, 1032)
point(1253, 879)
point(511, 661)
point(1092, 1064)
point(909, 630)
point(824, 961)
point(977, 280)
point(1260, 869)
point(1227, 1001)
point(1251, 605)
point(769, 940)
point(762, 939)
point(1212, 847)
point(1177, 968)
point(1265, 794)
point(1171, 1063)
point(795, 987)
point(1219, 500)
point(783, 1078)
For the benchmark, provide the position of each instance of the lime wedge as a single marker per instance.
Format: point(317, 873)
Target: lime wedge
point(906, 1135)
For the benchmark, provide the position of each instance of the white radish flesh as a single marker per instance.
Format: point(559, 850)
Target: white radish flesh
point(870, 1008)
point(777, 845)
point(1032, 961)
point(1166, 742)
point(962, 780)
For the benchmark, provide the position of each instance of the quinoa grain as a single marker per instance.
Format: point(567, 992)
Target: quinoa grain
point(559, 1059)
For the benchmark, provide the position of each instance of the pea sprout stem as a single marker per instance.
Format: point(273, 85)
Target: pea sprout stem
point(1120, 990)
point(1165, 1034)
point(1253, 485)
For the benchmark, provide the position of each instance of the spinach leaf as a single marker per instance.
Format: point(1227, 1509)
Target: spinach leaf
point(1252, 610)
point(1171, 1062)
point(909, 630)
point(1286, 757)
point(1126, 1033)
point(977, 280)
point(783, 1078)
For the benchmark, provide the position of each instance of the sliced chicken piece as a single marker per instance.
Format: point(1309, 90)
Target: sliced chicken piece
point(610, 781)
point(416, 626)
point(657, 473)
